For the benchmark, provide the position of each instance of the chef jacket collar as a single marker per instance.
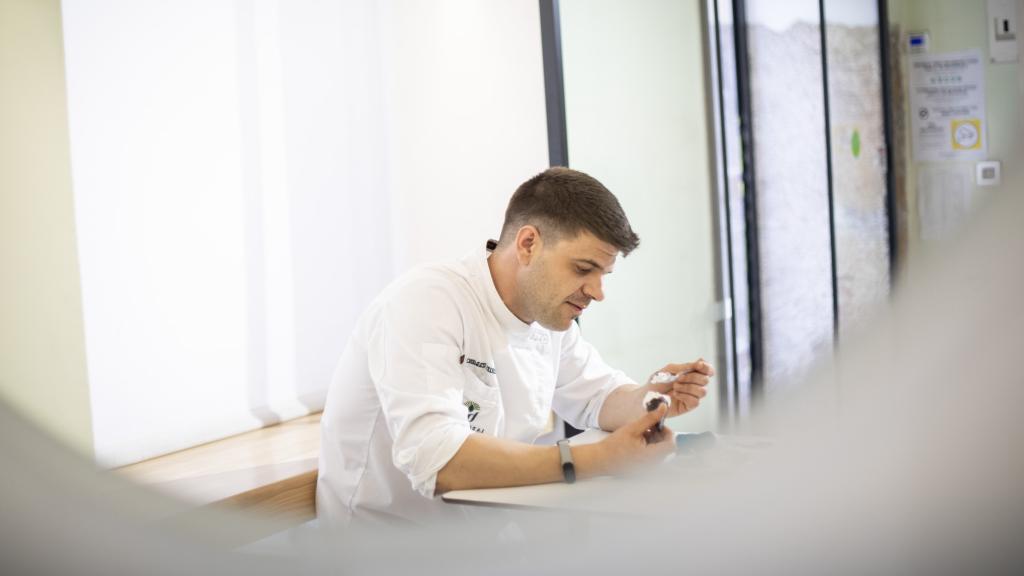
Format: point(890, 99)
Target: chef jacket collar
point(506, 319)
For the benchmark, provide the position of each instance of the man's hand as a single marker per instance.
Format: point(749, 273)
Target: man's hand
point(688, 387)
point(633, 445)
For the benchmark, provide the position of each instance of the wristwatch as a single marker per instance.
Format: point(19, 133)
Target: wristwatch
point(568, 466)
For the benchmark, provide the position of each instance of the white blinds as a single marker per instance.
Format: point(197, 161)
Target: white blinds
point(247, 175)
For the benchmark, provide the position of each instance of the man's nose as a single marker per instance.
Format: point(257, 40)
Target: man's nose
point(594, 290)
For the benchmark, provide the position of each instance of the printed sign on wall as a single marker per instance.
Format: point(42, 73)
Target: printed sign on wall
point(947, 106)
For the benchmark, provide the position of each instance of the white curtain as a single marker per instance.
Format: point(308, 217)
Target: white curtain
point(249, 174)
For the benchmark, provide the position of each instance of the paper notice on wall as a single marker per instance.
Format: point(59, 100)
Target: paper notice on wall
point(943, 199)
point(947, 106)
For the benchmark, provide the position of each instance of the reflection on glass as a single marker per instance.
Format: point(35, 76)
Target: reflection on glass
point(858, 157)
point(787, 105)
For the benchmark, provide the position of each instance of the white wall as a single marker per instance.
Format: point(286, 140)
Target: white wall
point(42, 347)
point(466, 118)
point(637, 121)
point(249, 174)
point(956, 25)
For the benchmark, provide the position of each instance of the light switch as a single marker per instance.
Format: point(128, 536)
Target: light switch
point(1002, 30)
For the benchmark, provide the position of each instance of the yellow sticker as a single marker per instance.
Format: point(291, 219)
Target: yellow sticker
point(966, 134)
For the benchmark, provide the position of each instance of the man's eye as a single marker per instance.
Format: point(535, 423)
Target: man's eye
point(584, 270)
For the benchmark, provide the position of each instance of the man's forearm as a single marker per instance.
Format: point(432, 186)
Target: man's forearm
point(622, 406)
point(488, 462)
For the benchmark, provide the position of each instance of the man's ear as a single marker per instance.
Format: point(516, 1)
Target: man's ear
point(528, 244)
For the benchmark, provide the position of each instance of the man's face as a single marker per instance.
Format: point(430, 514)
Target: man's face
point(564, 277)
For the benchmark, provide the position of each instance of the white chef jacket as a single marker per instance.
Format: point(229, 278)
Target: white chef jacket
point(437, 357)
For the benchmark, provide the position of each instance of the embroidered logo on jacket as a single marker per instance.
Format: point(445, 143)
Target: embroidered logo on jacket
point(477, 363)
point(474, 410)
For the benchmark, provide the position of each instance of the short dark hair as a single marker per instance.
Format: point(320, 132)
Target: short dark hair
point(566, 202)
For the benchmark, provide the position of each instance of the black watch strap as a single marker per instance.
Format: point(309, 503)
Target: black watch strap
point(568, 466)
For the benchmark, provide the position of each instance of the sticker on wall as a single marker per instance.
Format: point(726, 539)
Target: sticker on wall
point(947, 103)
point(966, 134)
point(917, 42)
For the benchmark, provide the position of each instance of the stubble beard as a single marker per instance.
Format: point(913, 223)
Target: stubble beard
point(537, 301)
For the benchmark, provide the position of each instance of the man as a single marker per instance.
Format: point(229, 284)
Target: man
point(452, 372)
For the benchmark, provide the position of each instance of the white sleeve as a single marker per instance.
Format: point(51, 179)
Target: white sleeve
point(414, 352)
point(584, 381)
